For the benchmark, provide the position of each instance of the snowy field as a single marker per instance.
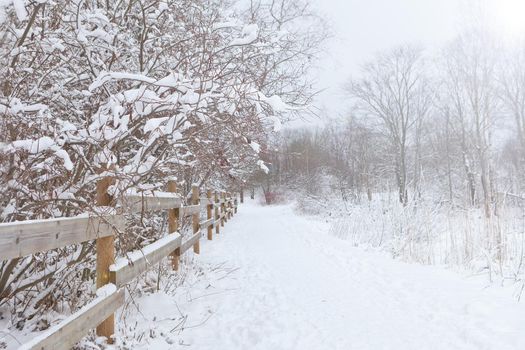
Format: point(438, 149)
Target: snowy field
point(277, 280)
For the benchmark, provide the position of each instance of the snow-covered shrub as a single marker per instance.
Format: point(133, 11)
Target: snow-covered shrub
point(139, 91)
point(437, 233)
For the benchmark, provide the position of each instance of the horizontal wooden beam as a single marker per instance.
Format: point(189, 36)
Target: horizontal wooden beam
point(205, 201)
point(127, 268)
point(190, 210)
point(190, 242)
point(67, 333)
point(206, 223)
point(22, 238)
point(137, 203)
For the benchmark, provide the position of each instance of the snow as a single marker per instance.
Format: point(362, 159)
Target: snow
point(139, 254)
point(20, 9)
point(255, 146)
point(157, 194)
point(164, 126)
point(276, 280)
point(154, 123)
point(277, 103)
point(97, 33)
point(37, 221)
point(104, 77)
point(105, 156)
point(33, 146)
point(249, 35)
point(163, 6)
point(16, 106)
point(169, 81)
point(39, 145)
point(190, 97)
point(277, 125)
point(227, 24)
point(8, 209)
point(68, 164)
point(263, 166)
point(102, 293)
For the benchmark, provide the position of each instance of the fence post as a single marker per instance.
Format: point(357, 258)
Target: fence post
point(235, 204)
point(223, 206)
point(217, 213)
point(209, 212)
point(105, 256)
point(230, 206)
point(173, 225)
point(242, 195)
point(196, 217)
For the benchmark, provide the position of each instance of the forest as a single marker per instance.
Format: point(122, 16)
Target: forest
point(431, 145)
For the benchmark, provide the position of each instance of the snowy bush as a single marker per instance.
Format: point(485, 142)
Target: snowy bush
point(139, 91)
point(437, 233)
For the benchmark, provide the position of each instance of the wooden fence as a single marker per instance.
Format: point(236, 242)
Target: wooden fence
point(19, 239)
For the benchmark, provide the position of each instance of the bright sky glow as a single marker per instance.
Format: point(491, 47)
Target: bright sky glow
point(510, 16)
point(363, 28)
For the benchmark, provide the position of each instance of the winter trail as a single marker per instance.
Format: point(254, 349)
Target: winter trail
point(293, 286)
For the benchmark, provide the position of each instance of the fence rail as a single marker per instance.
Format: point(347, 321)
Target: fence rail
point(19, 239)
point(68, 332)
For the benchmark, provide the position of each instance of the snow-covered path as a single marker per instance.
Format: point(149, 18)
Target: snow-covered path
point(290, 285)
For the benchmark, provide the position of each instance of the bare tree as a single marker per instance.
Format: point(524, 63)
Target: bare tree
point(394, 90)
point(473, 104)
point(511, 78)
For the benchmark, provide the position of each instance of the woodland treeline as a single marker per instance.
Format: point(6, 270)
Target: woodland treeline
point(428, 161)
point(449, 127)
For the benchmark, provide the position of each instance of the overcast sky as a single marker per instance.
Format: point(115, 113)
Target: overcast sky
point(364, 27)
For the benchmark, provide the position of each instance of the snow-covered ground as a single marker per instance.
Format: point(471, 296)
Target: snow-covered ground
point(277, 280)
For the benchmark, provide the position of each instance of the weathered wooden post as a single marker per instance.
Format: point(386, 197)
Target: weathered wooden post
point(209, 213)
point(235, 204)
point(196, 217)
point(105, 255)
point(230, 206)
point(227, 206)
point(217, 213)
point(223, 205)
point(173, 225)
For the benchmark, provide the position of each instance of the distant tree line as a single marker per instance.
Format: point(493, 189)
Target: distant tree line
point(448, 126)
